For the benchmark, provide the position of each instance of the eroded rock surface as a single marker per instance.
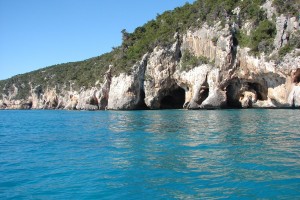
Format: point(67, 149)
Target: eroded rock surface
point(127, 91)
point(232, 78)
point(159, 80)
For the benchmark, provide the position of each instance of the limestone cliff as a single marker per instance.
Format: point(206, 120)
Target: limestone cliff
point(232, 77)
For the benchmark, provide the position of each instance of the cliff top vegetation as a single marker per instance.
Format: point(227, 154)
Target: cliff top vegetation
point(159, 32)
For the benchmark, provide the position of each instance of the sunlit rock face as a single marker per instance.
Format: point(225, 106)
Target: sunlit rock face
point(230, 78)
point(195, 84)
point(159, 80)
point(127, 91)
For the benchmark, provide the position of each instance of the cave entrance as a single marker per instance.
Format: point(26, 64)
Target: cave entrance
point(93, 101)
point(141, 104)
point(232, 95)
point(174, 100)
point(238, 92)
point(27, 105)
point(260, 91)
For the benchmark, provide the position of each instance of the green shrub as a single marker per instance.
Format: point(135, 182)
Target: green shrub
point(295, 39)
point(262, 37)
point(243, 39)
point(291, 7)
point(250, 10)
point(285, 50)
point(189, 61)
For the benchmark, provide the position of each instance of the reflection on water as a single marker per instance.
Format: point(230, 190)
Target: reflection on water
point(207, 152)
point(169, 154)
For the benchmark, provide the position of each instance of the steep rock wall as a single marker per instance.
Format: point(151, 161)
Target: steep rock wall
point(159, 80)
point(127, 91)
point(232, 78)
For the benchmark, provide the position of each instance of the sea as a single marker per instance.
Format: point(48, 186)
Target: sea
point(153, 154)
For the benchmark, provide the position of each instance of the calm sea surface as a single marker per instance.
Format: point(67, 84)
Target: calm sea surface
point(169, 154)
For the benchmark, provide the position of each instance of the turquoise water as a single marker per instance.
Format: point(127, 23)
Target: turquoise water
point(169, 154)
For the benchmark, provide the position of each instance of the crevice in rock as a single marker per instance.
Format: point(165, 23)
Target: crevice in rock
point(104, 90)
point(283, 32)
point(233, 51)
point(203, 92)
point(174, 99)
point(296, 77)
point(142, 105)
point(179, 55)
point(38, 90)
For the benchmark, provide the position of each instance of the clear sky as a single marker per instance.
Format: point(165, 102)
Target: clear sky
point(40, 33)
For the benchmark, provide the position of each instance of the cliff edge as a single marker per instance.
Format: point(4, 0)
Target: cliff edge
point(231, 62)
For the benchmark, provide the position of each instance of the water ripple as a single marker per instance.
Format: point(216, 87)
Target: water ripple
point(170, 154)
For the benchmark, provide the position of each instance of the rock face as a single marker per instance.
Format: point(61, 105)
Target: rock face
point(127, 91)
point(213, 43)
point(195, 84)
point(285, 26)
point(161, 90)
point(231, 78)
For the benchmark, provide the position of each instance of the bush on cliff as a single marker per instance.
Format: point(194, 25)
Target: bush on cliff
point(262, 37)
point(189, 61)
point(260, 40)
point(290, 7)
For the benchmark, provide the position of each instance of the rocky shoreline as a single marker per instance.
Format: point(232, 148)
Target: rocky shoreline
point(233, 78)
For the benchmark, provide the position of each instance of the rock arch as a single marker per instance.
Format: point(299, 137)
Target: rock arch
point(243, 93)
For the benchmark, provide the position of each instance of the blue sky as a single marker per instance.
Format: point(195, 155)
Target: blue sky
point(40, 33)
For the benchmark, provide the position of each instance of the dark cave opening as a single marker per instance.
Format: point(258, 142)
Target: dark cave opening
point(296, 78)
point(142, 105)
point(174, 100)
point(93, 101)
point(260, 91)
point(231, 95)
point(27, 105)
point(204, 92)
point(235, 92)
